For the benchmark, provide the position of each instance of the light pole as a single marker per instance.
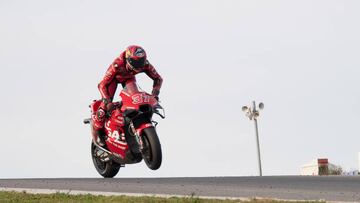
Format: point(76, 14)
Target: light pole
point(253, 113)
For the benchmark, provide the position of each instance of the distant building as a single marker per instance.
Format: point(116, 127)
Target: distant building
point(320, 167)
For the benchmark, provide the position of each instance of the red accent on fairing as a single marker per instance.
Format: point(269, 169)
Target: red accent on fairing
point(143, 126)
point(134, 101)
point(114, 131)
point(132, 97)
point(95, 106)
point(119, 148)
point(97, 124)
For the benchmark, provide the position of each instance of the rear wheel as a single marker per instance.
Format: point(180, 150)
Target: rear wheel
point(107, 169)
point(152, 149)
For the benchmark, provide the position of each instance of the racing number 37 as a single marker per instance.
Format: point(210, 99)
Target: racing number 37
point(140, 98)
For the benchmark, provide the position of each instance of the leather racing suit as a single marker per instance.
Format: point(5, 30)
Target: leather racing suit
point(119, 73)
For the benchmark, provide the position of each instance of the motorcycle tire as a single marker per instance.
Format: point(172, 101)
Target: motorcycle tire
point(106, 169)
point(152, 154)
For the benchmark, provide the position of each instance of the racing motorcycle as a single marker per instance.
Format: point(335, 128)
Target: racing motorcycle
point(130, 132)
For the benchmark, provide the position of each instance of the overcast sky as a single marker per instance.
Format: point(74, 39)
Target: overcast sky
point(301, 58)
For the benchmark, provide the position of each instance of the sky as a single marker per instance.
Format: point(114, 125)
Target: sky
point(300, 58)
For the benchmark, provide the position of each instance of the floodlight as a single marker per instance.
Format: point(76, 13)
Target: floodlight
point(261, 105)
point(253, 113)
point(244, 108)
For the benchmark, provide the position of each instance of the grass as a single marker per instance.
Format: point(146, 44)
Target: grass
point(13, 197)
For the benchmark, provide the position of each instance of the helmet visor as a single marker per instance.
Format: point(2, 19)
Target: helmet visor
point(136, 63)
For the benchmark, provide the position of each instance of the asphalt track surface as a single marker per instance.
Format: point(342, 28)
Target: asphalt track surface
point(329, 188)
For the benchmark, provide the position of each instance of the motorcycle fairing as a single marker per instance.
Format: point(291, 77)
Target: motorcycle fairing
point(94, 106)
point(133, 98)
point(115, 140)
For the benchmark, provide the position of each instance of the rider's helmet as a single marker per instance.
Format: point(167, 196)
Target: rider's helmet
point(135, 58)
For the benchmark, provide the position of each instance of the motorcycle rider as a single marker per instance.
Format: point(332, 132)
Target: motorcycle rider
point(123, 70)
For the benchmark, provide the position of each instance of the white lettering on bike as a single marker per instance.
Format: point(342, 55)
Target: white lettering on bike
point(107, 126)
point(136, 99)
point(146, 98)
point(140, 98)
point(114, 134)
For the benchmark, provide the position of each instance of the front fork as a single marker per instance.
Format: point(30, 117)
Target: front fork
point(137, 137)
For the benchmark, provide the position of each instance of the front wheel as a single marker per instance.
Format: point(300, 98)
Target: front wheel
point(152, 149)
point(106, 169)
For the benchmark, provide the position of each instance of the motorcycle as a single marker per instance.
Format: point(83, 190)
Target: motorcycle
point(130, 132)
